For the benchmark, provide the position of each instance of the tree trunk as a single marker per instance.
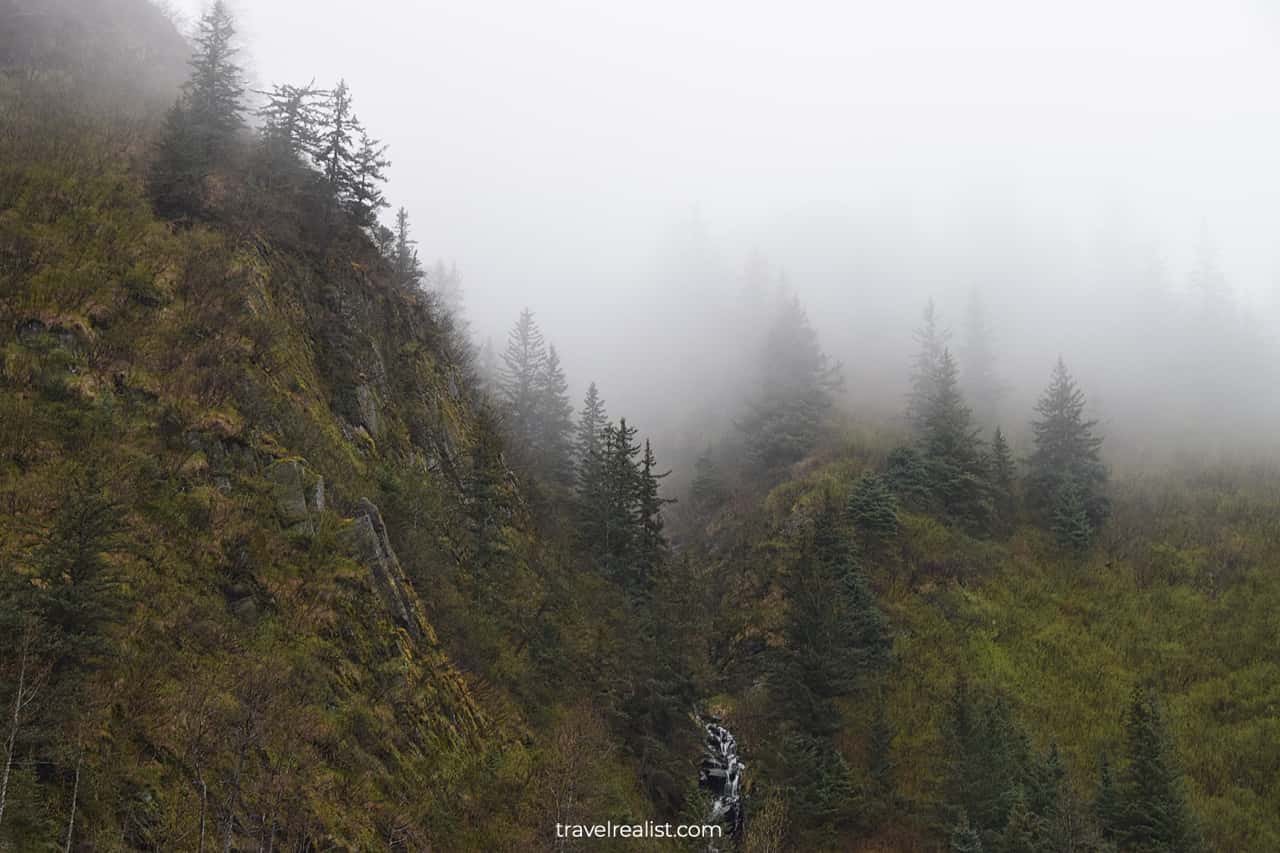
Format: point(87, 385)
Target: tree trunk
point(14, 725)
point(75, 794)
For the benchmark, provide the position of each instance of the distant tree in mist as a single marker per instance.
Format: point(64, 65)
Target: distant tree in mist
point(404, 254)
point(977, 365)
point(554, 426)
point(1002, 475)
point(519, 382)
point(708, 489)
point(797, 382)
point(363, 189)
point(926, 364)
point(952, 450)
point(202, 125)
point(291, 119)
point(1067, 455)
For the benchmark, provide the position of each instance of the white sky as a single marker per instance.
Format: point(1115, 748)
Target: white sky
point(549, 146)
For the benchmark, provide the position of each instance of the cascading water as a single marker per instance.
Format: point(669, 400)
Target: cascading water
point(721, 773)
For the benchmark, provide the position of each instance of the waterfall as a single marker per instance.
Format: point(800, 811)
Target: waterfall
point(721, 773)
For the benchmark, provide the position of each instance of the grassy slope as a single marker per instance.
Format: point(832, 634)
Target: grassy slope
point(170, 372)
point(1182, 592)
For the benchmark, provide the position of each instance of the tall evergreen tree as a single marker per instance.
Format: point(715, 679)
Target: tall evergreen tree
point(926, 364)
point(520, 384)
point(554, 425)
point(953, 452)
point(1070, 524)
point(797, 380)
point(707, 491)
point(335, 150)
point(591, 422)
point(651, 545)
point(1067, 453)
point(1153, 813)
point(215, 91)
point(201, 127)
point(291, 118)
point(981, 382)
point(368, 172)
point(834, 639)
point(873, 509)
point(404, 254)
point(1001, 475)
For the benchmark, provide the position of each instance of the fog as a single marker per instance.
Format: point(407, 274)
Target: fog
point(616, 166)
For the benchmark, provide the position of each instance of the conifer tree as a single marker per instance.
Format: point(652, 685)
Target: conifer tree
point(1001, 474)
point(616, 539)
point(1067, 453)
point(1152, 812)
point(291, 118)
point(651, 545)
point(215, 91)
point(1070, 523)
point(964, 837)
point(952, 451)
point(520, 384)
point(880, 760)
point(368, 172)
point(334, 148)
point(931, 343)
point(591, 422)
point(201, 126)
point(1106, 803)
point(835, 638)
point(554, 416)
point(1024, 829)
point(708, 490)
point(404, 254)
point(981, 383)
point(797, 380)
point(873, 509)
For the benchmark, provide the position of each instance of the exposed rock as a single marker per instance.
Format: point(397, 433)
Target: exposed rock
point(369, 538)
point(367, 402)
point(289, 477)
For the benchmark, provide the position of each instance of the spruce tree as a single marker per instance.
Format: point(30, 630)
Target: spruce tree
point(931, 342)
point(834, 637)
point(215, 91)
point(1107, 803)
point(797, 380)
point(200, 128)
point(520, 384)
point(334, 148)
point(615, 542)
point(1153, 813)
point(554, 423)
point(873, 509)
point(291, 119)
point(708, 490)
point(1067, 451)
point(880, 757)
point(1070, 523)
point(1001, 474)
point(363, 187)
point(981, 383)
point(404, 254)
point(589, 467)
point(952, 451)
point(651, 544)
point(964, 837)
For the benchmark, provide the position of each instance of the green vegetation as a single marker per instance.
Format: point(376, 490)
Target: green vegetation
point(277, 572)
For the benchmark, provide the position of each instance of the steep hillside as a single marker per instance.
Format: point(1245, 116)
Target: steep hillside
point(212, 637)
point(1179, 597)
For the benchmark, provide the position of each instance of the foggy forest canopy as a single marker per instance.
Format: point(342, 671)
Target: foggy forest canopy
point(1100, 178)
point(426, 425)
